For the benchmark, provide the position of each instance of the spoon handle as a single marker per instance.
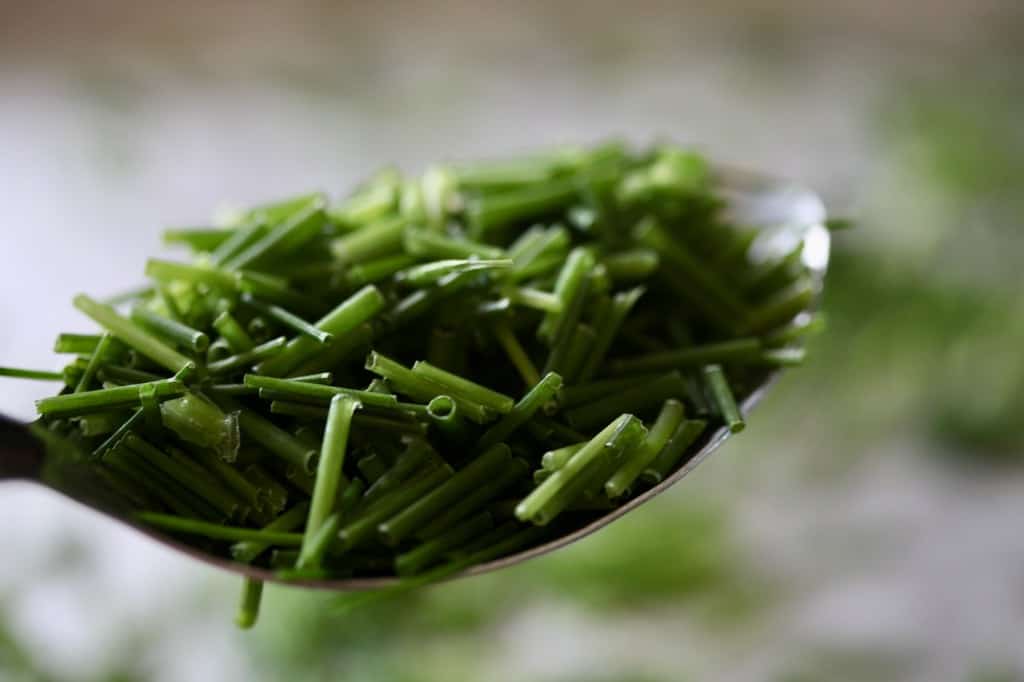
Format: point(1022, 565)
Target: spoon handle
point(20, 453)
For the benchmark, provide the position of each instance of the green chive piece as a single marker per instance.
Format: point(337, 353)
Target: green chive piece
point(580, 342)
point(607, 329)
point(553, 460)
point(249, 608)
point(516, 353)
point(329, 476)
point(735, 351)
point(511, 475)
point(639, 458)
point(247, 551)
point(429, 273)
point(433, 245)
point(249, 358)
point(319, 392)
point(354, 311)
point(489, 213)
point(640, 398)
point(233, 333)
point(174, 332)
point(718, 387)
point(782, 307)
point(623, 433)
point(538, 396)
point(570, 281)
point(199, 421)
point(418, 387)
point(79, 344)
point(196, 238)
point(115, 439)
point(276, 441)
point(167, 272)
point(380, 239)
point(285, 238)
point(430, 552)
point(537, 299)
point(35, 374)
point(418, 514)
point(288, 319)
point(632, 265)
point(445, 414)
point(240, 239)
point(364, 526)
point(133, 335)
point(88, 402)
point(176, 524)
point(373, 271)
point(667, 460)
point(464, 388)
point(299, 410)
point(581, 394)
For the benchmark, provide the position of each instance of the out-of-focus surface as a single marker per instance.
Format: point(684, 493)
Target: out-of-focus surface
point(867, 526)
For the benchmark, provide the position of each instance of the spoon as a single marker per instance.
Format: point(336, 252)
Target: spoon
point(786, 216)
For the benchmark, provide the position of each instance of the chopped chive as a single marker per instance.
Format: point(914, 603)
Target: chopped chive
point(126, 375)
point(246, 551)
point(352, 312)
point(673, 452)
point(196, 420)
point(79, 344)
point(633, 265)
point(582, 340)
point(445, 414)
point(260, 353)
point(249, 608)
point(535, 298)
point(133, 335)
point(433, 245)
point(640, 398)
point(373, 271)
point(383, 238)
point(489, 213)
point(419, 513)
point(284, 238)
point(240, 239)
point(723, 352)
point(607, 329)
point(171, 330)
point(118, 435)
point(167, 271)
point(570, 281)
point(364, 526)
point(75, 404)
point(288, 319)
point(150, 406)
point(176, 524)
point(429, 273)
point(129, 295)
point(476, 500)
point(321, 393)
point(273, 493)
point(782, 307)
point(538, 396)
point(550, 245)
point(464, 388)
point(621, 434)
point(411, 460)
point(328, 476)
point(639, 458)
point(430, 552)
point(516, 353)
point(553, 460)
point(233, 333)
point(276, 441)
point(419, 387)
point(196, 238)
point(718, 387)
point(38, 375)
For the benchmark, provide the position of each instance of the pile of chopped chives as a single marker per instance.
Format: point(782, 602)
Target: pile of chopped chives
point(433, 372)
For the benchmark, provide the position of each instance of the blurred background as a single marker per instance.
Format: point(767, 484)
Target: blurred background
point(867, 526)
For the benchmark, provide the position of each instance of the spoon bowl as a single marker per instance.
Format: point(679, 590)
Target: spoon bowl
point(786, 216)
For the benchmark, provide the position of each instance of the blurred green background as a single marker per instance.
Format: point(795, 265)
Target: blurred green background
point(867, 526)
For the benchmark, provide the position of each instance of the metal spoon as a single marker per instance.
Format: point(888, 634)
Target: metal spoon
point(786, 214)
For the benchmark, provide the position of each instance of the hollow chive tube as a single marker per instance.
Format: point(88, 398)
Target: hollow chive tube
point(632, 265)
point(241, 238)
point(640, 457)
point(216, 531)
point(196, 238)
point(190, 476)
point(249, 607)
point(133, 335)
point(553, 242)
point(126, 375)
point(372, 467)
point(372, 271)
point(75, 404)
point(553, 460)
point(276, 290)
point(444, 413)
point(607, 329)
point(519, 539)
point(275, 440)
point(284, 238)
point(537, 299)
point(538, 396)
point(418, 387)
point(382, 238)
point(150, 407)
point(169, 271)
point(287, 319)
point(580, 342)
point(172, 331)
point(354, 311)
point(416, 456)
point(419, 513)
point(570, 280)
point(511, 475)
point(229, 476)
point(430, 552)
point(273, 494)
point(640, 398)
point(315, 546)
point(364, 526)
point(80, 344)
point(329, 471)
point(464, 388)
point(516, 353)
point(673, 452)
point(249, 358)
point(579, 492)
point(781, 307)
point(434, 245)
point(246, 552)
point(37, 375)
point(722, 352)
point(100, 424)
point(428, 274)
point(233, 333)
point(149, 481)
point(721, 394)
point(199, 421)
point(622, 433)
point(486, 214)
point(321, 393)
point(422, 301)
